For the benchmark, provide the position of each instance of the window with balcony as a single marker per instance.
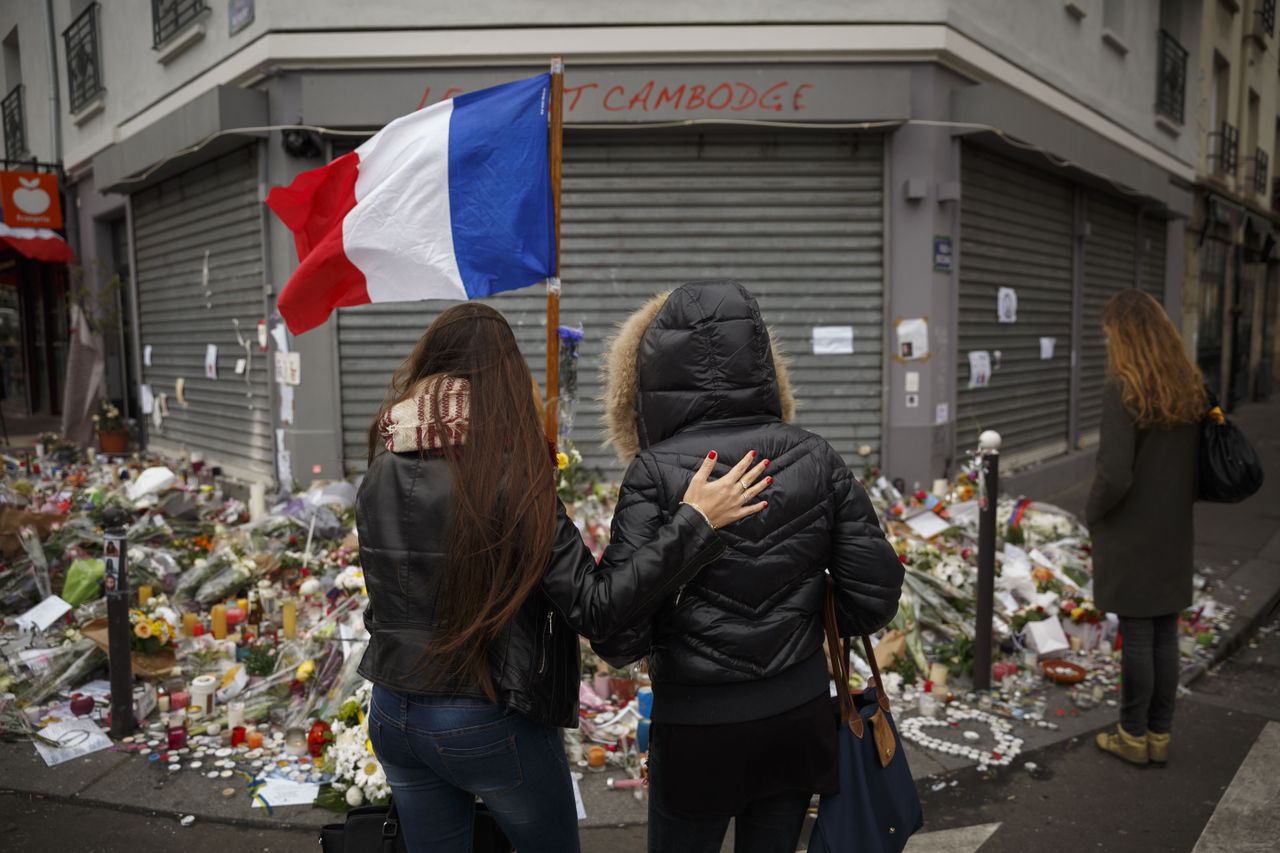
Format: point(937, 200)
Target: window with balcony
point(170, 17)
point(84, 61)
point(15, 125)
point(1171, 88)
point(1264, 16)
point(1225, 150)
point(1260, 161)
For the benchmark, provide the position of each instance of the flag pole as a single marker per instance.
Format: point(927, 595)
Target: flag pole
point(556, 151)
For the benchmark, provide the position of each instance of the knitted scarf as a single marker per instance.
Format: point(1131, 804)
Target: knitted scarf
point(411, 426)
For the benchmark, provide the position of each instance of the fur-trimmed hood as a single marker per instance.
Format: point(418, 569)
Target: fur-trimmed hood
point(698, 353)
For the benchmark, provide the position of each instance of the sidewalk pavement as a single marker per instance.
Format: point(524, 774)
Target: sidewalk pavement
point(1237, 549)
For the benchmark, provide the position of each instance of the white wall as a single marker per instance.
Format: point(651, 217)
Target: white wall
point(33, 38)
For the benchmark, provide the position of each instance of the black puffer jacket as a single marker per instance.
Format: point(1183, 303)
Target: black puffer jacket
point(401, 513)
point(694, 372)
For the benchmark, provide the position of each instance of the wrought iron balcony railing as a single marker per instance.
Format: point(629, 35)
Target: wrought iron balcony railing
point(170, 17)
point(1265, 13)
point(1258, 179)
point(1225, 153)
point(84, 61)
point(1171, 87)
point(15, 124)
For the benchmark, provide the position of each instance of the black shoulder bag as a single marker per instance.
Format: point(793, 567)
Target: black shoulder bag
point(1229, 467)
point(376, 829)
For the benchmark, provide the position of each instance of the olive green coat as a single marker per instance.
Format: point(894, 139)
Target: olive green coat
point(1140, 514)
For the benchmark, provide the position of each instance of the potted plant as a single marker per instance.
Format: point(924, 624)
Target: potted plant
point(113, 435)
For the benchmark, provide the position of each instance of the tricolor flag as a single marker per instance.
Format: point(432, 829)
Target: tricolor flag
point(450, 202)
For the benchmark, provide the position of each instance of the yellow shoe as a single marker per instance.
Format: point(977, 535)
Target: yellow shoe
point(1124, 745)
point(1158, 747)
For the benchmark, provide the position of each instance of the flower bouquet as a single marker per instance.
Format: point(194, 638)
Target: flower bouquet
point(1083, 623)
point(358, 778)
point(113, 434)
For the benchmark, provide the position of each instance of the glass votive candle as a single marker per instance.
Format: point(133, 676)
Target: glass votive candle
point(253, 739)
point(595, 757)
point(178, 700)
point(237, 735)
point(177, 737)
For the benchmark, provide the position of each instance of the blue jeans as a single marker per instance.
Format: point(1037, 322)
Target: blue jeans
point(441, 752)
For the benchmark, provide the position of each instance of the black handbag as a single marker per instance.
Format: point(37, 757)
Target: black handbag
point(1229, 468)
point(376, 829)
point(877, 808)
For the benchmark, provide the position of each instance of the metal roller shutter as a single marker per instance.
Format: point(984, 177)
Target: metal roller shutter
point(213, 208)
point(797, 218)
point(1155, 234)
point(1015, 231)
point(1110, 266)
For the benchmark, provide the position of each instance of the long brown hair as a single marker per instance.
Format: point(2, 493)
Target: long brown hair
point(502, 515)
point(1161, 387)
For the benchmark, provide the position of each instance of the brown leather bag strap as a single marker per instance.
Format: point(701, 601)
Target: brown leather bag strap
point(839, 668)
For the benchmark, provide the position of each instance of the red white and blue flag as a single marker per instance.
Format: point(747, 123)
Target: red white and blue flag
point(450, 202)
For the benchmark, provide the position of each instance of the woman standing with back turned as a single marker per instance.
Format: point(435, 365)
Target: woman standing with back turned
point(479, 584)
point(1140, 513)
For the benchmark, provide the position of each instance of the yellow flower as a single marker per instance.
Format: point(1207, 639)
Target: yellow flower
point(305, 670)
point(142, 630)
point(1077, 613)
point(562, 460)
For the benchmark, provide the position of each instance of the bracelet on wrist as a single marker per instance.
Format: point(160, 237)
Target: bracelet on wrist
point(700, 512)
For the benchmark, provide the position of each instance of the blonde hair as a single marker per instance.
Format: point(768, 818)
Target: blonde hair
point(1160, 386)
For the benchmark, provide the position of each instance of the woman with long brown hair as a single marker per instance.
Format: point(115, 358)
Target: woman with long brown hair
point(479, 585)
point(1140, 513)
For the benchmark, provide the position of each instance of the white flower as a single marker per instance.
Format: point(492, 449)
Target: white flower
point(354, 796)
point(351, 578)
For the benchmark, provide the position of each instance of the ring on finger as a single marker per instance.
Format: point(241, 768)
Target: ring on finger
point(744, 485)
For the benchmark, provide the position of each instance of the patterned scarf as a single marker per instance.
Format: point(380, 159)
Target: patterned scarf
point(410, 425)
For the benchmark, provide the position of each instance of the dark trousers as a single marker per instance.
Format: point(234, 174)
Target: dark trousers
point(771, 825)
point(441, 752)
point(1148, 673)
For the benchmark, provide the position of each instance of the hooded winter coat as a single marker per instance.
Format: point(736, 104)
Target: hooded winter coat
point(697, 370)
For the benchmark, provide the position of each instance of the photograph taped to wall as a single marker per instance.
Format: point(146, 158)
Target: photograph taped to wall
point(211, 361)
point(979, 369)
point(913, 338)
point(1007, 305)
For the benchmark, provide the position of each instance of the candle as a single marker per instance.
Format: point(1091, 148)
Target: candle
point(237, 735)
point(219, 618)
point(235, 715)
point(188, 624)
point(177, 736)
point(290, 618)
point(295, 742)
point(235, 615)
point(202, 690)
point(254, 739)
point(162, 702)
point(595, 757)
point(144, 593)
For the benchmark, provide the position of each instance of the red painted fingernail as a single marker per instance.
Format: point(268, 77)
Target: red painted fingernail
point(753, 454)
point(766, 463)
point(768, 481)
point(711, 455)
point(766, 503)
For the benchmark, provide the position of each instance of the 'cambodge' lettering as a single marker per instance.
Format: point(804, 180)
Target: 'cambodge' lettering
point(650, 97)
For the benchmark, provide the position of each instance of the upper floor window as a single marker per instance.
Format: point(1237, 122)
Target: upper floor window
point(170, 17)
point(1171, 85)
point(84, 61)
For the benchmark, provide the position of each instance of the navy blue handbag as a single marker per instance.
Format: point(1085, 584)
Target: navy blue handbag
point(877, 809)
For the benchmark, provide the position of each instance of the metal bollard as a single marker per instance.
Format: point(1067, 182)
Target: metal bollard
point(115, 547)
point(989, 448)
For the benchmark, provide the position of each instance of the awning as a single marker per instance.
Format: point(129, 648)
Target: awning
point(38, 244)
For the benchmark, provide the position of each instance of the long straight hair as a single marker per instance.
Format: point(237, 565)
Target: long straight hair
point(1161, 387)
point(502, 514)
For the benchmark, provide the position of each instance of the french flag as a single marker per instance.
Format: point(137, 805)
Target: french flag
point(450, 202)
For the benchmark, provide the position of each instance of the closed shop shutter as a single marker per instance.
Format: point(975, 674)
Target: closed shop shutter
point(1155, 234)
point(1110, 266)
point(1015, 231)
point(213, 208)
point(796, 217)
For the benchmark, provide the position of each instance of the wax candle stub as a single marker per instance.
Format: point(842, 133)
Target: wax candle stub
point(144, 593)
point(188, 624)
point(290, 617)
point(218, 617)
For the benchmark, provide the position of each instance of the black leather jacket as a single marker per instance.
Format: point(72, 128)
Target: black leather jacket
point(401, 513)
point(743, 639)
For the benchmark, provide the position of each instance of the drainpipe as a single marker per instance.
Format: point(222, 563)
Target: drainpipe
point(55, 108)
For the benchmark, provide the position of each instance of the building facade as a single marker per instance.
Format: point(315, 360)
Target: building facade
point(932, 201)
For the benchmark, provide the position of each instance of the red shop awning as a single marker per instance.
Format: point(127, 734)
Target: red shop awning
point(38, 244)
